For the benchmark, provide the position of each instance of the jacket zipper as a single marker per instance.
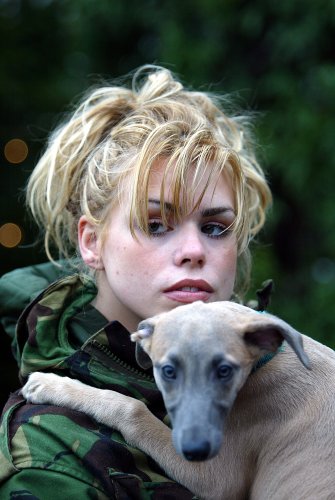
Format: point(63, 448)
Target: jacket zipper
point(109, 359)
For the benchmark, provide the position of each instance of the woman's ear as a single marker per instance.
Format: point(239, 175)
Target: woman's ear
point(89, 243)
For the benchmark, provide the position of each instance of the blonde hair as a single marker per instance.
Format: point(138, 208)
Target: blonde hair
point(111, 141)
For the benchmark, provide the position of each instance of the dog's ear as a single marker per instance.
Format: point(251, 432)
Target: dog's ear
point(269, 333)
point(142, 337)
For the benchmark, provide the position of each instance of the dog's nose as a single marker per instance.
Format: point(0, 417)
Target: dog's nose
point(196, 451)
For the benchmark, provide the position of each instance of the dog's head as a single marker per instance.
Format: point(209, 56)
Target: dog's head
point(202, 355)
point(262, 332)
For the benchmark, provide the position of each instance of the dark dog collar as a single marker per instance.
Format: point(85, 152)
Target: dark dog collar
point(266, 358)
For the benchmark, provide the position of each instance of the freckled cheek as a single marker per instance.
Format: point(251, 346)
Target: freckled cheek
point(228, 260)
point(136, 265)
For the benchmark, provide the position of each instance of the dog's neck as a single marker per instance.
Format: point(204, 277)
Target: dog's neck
point(266, 358)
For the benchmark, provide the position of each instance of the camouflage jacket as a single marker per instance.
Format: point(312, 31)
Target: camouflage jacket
point(49, 452)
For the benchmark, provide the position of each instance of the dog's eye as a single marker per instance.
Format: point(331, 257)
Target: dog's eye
point(225, 372)
point(169, 372)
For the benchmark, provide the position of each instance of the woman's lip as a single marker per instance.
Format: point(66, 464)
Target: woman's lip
point(186, 297)
point(201, 285)
point(187, 291)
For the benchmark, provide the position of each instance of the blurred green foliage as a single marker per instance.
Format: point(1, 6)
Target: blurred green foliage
point(276, 58)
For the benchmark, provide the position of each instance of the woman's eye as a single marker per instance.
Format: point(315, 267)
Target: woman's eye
point(157, 228)
point(214, 230)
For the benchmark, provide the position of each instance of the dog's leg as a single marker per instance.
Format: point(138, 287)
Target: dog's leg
point(49, 388)
point(139, 427)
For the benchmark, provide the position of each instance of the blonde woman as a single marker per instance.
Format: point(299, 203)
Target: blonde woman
point(157, 189)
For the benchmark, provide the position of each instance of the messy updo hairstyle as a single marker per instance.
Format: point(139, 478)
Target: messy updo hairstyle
point(104, 153)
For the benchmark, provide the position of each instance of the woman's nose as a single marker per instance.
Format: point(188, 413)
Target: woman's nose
point(190, 249)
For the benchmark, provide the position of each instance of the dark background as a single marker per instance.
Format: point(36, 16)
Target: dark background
point(275, 57)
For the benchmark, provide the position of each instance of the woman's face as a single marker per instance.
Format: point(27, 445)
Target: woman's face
point(194, 259)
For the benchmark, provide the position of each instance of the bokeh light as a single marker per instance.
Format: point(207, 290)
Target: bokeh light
point(10, 235)
point(323, 270)
point(16, 151)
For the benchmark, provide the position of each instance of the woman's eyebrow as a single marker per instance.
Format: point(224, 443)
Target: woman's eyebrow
point(206, 212)
point(167, 206)
point(209, 212)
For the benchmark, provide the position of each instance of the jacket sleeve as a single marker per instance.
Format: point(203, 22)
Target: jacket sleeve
point(38, 484)
point(50, 452)
point(19, 287)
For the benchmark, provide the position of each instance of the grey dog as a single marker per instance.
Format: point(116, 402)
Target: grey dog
point(251, 402)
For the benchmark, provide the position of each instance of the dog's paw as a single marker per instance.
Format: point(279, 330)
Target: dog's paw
point(41, 388)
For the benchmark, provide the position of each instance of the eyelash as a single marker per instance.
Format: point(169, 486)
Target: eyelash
point(225, 229)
